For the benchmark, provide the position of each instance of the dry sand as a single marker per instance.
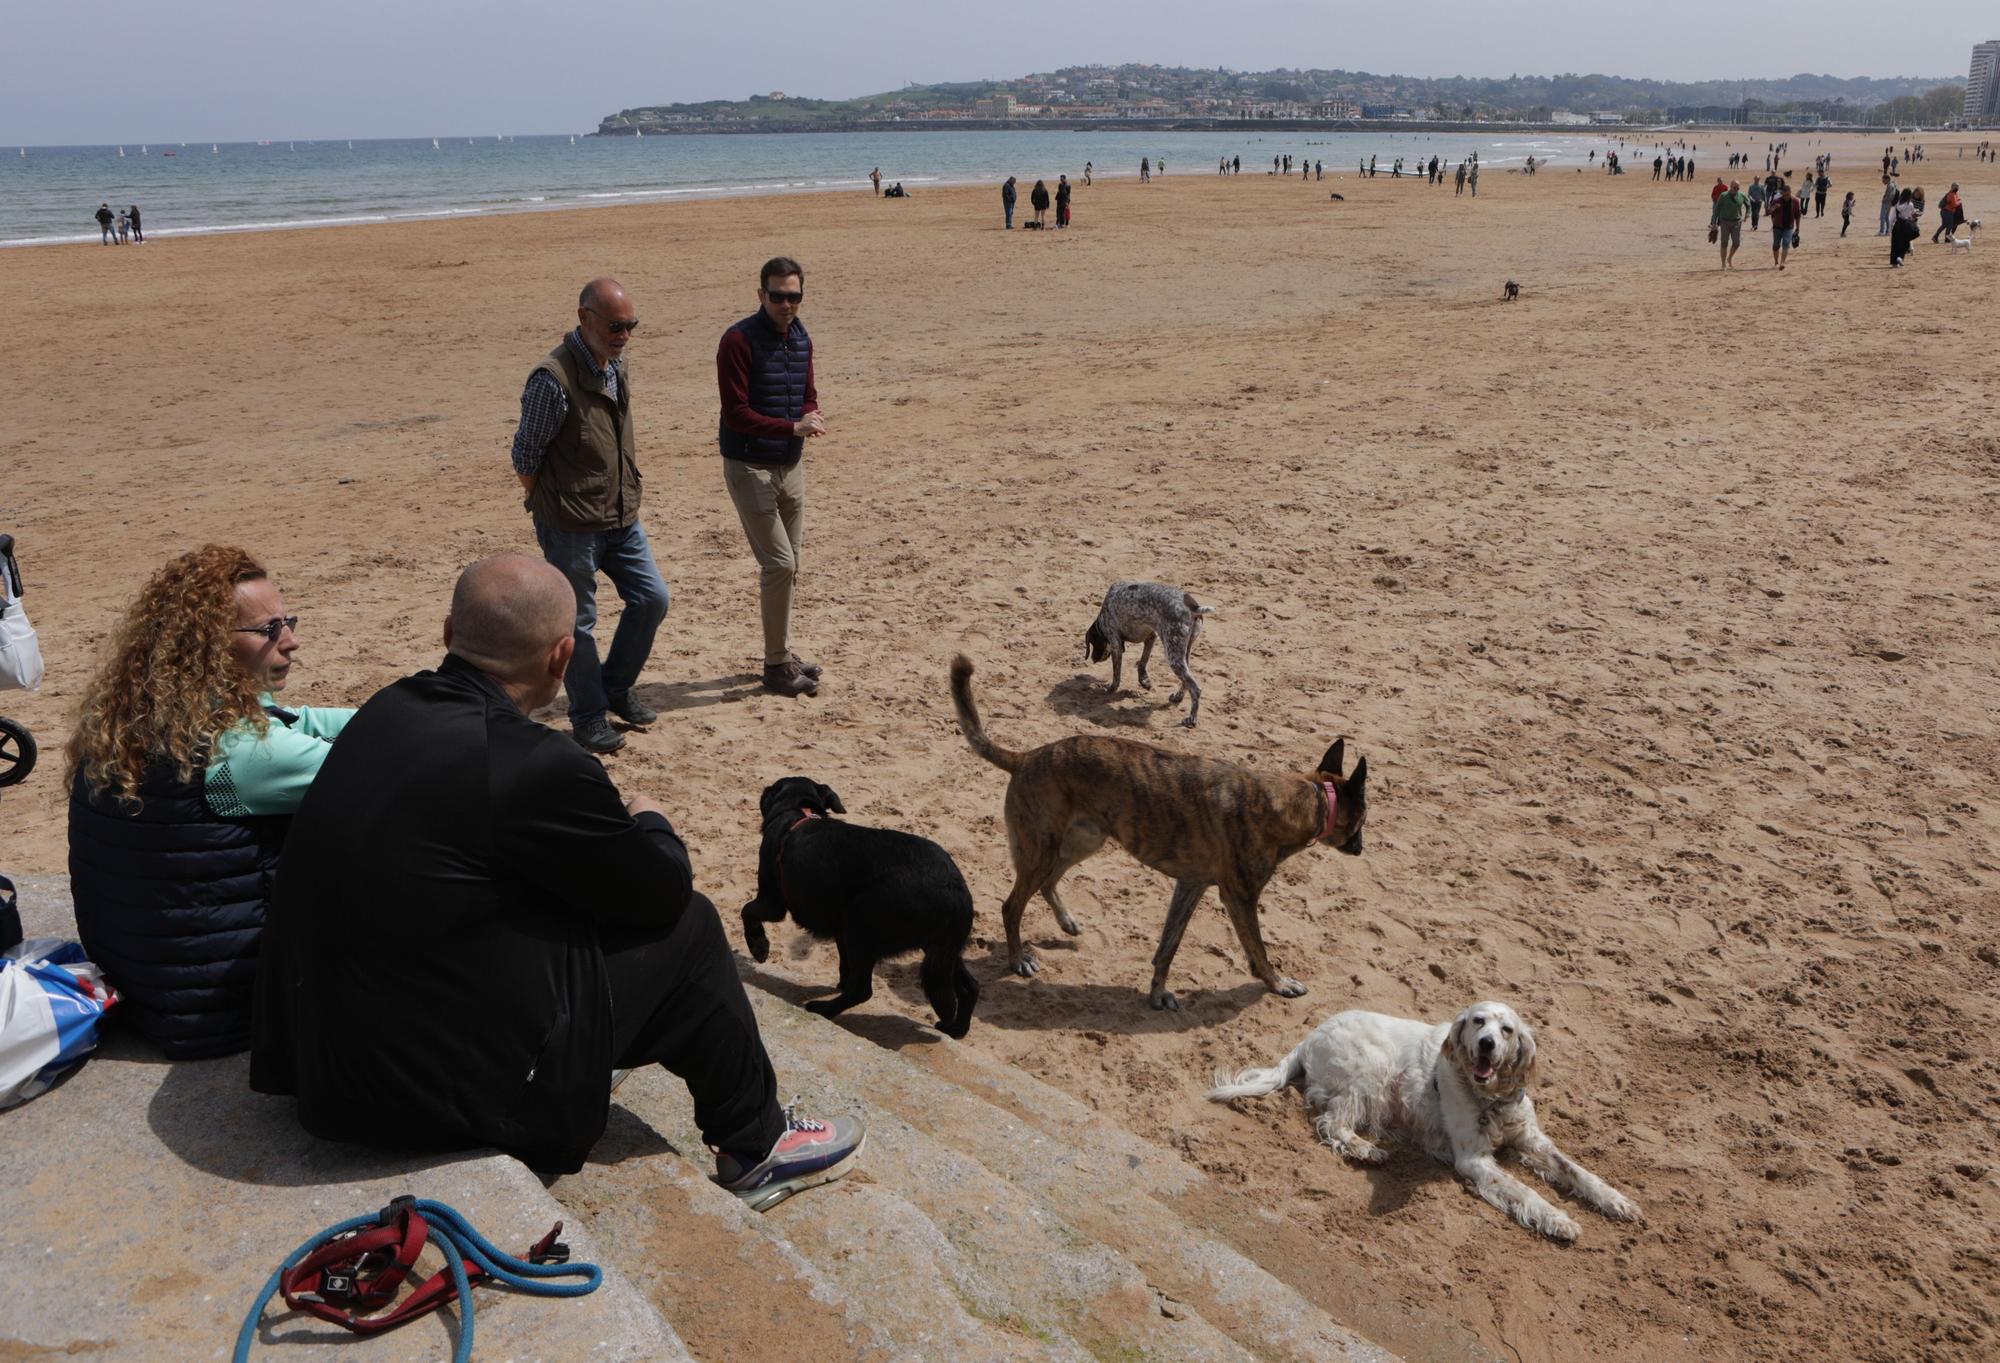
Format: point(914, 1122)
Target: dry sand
point(1664, 604)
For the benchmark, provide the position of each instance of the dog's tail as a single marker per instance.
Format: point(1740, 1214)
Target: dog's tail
point(968, 719)
point(1256, 1083)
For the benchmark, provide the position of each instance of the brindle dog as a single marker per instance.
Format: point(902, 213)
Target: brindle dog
point(1200, 821)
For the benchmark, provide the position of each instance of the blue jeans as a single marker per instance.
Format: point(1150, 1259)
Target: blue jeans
point(626, 558)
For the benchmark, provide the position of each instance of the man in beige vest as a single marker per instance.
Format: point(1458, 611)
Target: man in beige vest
point(574, 454)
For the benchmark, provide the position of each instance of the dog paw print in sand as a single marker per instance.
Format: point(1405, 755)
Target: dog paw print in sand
point(1871, 647)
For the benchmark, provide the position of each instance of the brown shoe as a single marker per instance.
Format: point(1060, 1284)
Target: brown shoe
point(812, 670)
point(788, 679)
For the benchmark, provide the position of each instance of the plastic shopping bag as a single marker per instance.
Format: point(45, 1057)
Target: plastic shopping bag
point(20, 651)
point(52, 1001)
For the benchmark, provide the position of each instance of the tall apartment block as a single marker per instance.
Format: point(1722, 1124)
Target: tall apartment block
point(1982, 90)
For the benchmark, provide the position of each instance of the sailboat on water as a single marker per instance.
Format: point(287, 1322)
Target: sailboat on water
point(143, 151)
point(214, 150)
point(434, 144)
point(121, 151)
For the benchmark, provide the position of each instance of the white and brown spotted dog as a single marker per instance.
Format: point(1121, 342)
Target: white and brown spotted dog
point(1139, 613)
point(1458, 1090)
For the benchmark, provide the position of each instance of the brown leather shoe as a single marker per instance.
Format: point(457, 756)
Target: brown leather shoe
point(788, 679)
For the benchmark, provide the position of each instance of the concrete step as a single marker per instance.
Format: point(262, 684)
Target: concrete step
point(144, 1205)
point(1104, 1183)
point(934, 1250)
point(1102, 1165)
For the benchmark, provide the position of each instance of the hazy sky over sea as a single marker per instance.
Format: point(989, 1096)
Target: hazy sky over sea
point(247, 69)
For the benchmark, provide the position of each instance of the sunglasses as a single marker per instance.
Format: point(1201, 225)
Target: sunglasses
point(785, 296)
point(616, 328)
point(272, 630)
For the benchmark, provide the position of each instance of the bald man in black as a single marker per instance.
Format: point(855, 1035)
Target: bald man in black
point(479, 929)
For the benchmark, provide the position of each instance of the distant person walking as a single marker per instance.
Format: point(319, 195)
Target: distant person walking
point(1756, 194)
point(1951, 212)
point(1888, 204)
point(137, 235)
point(1460, 178)
point(1784, 211)
point(1820, 187)
point(770, 408)
point(124, 228)
point(1472, 180)
point(1902, 227)
point(107, 222)
point(1086, 172)
point(1145, 169)
point(875, 178)
point(1062, 201)
point(1846, 212)
point(577, 459)
point(1038, 199)
point(1726, 219)
point(1007, 198)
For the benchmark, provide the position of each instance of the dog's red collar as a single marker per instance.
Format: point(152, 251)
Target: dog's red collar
point(806, 816)
point(1332, 796)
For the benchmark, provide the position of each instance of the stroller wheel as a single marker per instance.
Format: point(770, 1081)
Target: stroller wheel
point(17, 753)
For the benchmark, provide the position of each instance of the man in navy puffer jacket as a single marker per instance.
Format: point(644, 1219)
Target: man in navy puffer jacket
point(770, 408)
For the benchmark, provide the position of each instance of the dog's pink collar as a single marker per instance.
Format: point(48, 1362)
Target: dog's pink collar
point(1332, 803)
point(806, 816)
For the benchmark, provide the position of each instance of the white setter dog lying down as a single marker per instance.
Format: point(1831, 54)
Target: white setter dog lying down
point(1458, 1089)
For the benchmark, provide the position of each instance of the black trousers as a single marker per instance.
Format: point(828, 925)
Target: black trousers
point(677, 1001)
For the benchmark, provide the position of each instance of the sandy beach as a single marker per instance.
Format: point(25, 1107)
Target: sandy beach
point(1663, 602)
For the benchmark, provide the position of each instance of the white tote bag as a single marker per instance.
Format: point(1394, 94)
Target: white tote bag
point(20, 651)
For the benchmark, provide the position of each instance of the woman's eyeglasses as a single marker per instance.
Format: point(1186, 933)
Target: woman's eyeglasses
point(272, 630)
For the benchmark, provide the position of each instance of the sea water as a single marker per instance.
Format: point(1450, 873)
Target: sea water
point(50, 194)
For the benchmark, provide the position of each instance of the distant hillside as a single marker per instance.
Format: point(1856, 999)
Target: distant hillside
point(1140, 91)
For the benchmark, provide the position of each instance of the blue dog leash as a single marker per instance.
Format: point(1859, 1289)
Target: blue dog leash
point(364, 1259)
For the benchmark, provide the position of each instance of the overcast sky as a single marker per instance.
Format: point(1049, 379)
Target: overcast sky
point(247, 69)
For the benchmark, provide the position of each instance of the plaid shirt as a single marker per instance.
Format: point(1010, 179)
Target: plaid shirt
point(544, 408)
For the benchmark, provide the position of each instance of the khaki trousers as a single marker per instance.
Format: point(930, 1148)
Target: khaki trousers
point(771, 503)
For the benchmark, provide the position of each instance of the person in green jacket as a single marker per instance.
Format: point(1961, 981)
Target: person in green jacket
point(1727, 220)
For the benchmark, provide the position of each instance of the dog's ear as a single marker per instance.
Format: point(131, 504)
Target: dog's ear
point(1521, 1072)
point(1330, 764)
point(1449, 1053)
point(1357, 780)
point(829, 799)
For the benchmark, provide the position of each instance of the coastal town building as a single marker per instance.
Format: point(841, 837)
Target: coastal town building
point(1982, 87)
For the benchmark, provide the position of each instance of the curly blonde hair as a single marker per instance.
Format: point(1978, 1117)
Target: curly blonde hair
point(172, 682)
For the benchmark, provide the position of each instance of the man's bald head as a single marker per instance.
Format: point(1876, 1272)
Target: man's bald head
point(602, 292)
point(508, 614)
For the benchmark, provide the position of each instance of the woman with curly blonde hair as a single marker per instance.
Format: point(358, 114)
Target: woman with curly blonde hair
point(184, 772)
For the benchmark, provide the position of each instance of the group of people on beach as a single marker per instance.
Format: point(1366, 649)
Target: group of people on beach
point(1773, 197)
point(466, 884)
point(120, 228)
point(1039, 200)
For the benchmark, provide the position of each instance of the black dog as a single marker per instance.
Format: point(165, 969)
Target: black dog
point(1511, 292)
point(874, 891)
